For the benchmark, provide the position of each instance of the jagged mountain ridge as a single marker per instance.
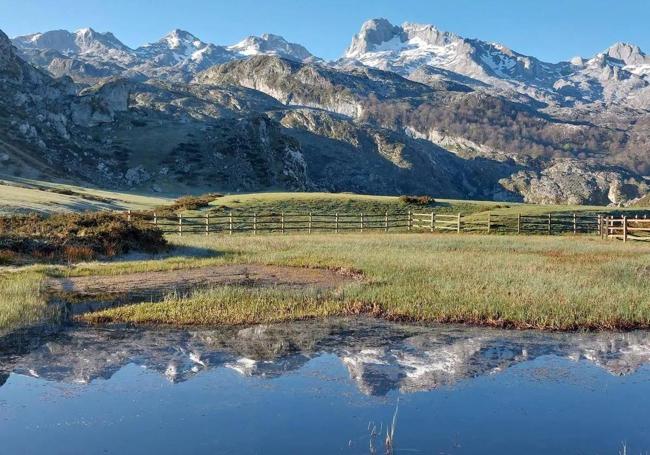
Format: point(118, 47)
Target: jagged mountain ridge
point(350, 128)
point(88, 56)
point(618, 75)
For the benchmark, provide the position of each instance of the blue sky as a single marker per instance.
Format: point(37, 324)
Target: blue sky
point(549, 29)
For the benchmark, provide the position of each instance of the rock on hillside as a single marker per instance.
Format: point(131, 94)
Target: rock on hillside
point(574, 182)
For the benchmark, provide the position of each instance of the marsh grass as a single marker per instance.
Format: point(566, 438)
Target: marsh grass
point(556, 283)
point(22, 301)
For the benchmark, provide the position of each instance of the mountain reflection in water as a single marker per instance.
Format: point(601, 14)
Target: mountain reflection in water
point(379, 356)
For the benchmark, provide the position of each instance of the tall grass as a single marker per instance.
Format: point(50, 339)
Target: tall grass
point(508, 281)
point(22, 302)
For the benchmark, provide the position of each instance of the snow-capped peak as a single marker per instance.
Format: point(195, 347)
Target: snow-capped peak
point(85, 40)
point(407, 47)
point(269, 44)
point(177, 39)
point(628, 57)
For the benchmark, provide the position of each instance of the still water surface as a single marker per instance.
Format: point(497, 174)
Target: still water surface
point(326, 388)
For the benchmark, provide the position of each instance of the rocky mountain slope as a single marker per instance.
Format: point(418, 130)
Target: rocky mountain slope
point(183, 115)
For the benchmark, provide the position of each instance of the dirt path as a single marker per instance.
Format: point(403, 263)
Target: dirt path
point(147, 285)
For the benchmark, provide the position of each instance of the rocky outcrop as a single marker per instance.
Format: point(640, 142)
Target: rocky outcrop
point(100, 104)
point(575, 182)
point(289, 82)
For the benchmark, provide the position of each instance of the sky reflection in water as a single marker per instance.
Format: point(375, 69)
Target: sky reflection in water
point(317, 387)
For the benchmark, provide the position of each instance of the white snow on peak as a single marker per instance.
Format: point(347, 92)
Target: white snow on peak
point(177, 39)
point(269, 44)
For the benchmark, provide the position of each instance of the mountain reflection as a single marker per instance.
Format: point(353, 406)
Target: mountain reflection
point(379, 356)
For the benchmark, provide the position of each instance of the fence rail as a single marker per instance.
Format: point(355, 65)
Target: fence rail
point(625, 229)
point(610, 227)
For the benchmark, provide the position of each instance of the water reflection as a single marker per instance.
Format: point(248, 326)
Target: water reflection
point(379, 356)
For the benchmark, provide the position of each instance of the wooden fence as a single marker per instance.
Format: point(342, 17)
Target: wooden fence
point(548, 224)
point(626, 228)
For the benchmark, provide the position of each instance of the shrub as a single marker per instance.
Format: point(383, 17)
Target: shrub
point(8, 257)
point(76, 237)
point(188, 203)
point(76, 253)
point(417, 200)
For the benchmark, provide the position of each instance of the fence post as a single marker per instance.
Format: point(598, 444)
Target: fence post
point(409, 222)
point(128, 216)
point(458, 225)
point(155, 219)
point(575, 224)
point(433, 221)
point(229, 223)
point(489, 222)
point(518, 223)
point(310, 219)
point(386, 222)
point(282, 221)
point(361, 222)
point(550, 229)
point(600, 226)
point(624, 229)
point(254, 223)
point(336, 223)
point(207, 224)
point(180, 224)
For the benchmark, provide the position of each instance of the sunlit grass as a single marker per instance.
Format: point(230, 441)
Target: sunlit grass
point(510, 281)
point(22, 302)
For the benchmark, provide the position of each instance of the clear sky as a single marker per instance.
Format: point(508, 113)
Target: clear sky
point(549, 29)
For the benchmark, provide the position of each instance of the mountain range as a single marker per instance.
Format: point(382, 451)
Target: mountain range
point(406, 109)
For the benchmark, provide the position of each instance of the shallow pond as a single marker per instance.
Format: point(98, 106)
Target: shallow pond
point(326, 387)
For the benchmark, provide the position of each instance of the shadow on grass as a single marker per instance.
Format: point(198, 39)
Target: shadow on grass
point(170, 253)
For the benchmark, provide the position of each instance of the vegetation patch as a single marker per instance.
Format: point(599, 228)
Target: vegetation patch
point(331, 203)
point(74, 237)
point(22, 302)
point(418, 200)
point(186, 203)
point(501, 281)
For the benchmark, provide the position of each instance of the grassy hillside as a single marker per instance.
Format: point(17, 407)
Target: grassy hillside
point(644, 202)
point(339, 202)
point(24, 195)
point(355, 203)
